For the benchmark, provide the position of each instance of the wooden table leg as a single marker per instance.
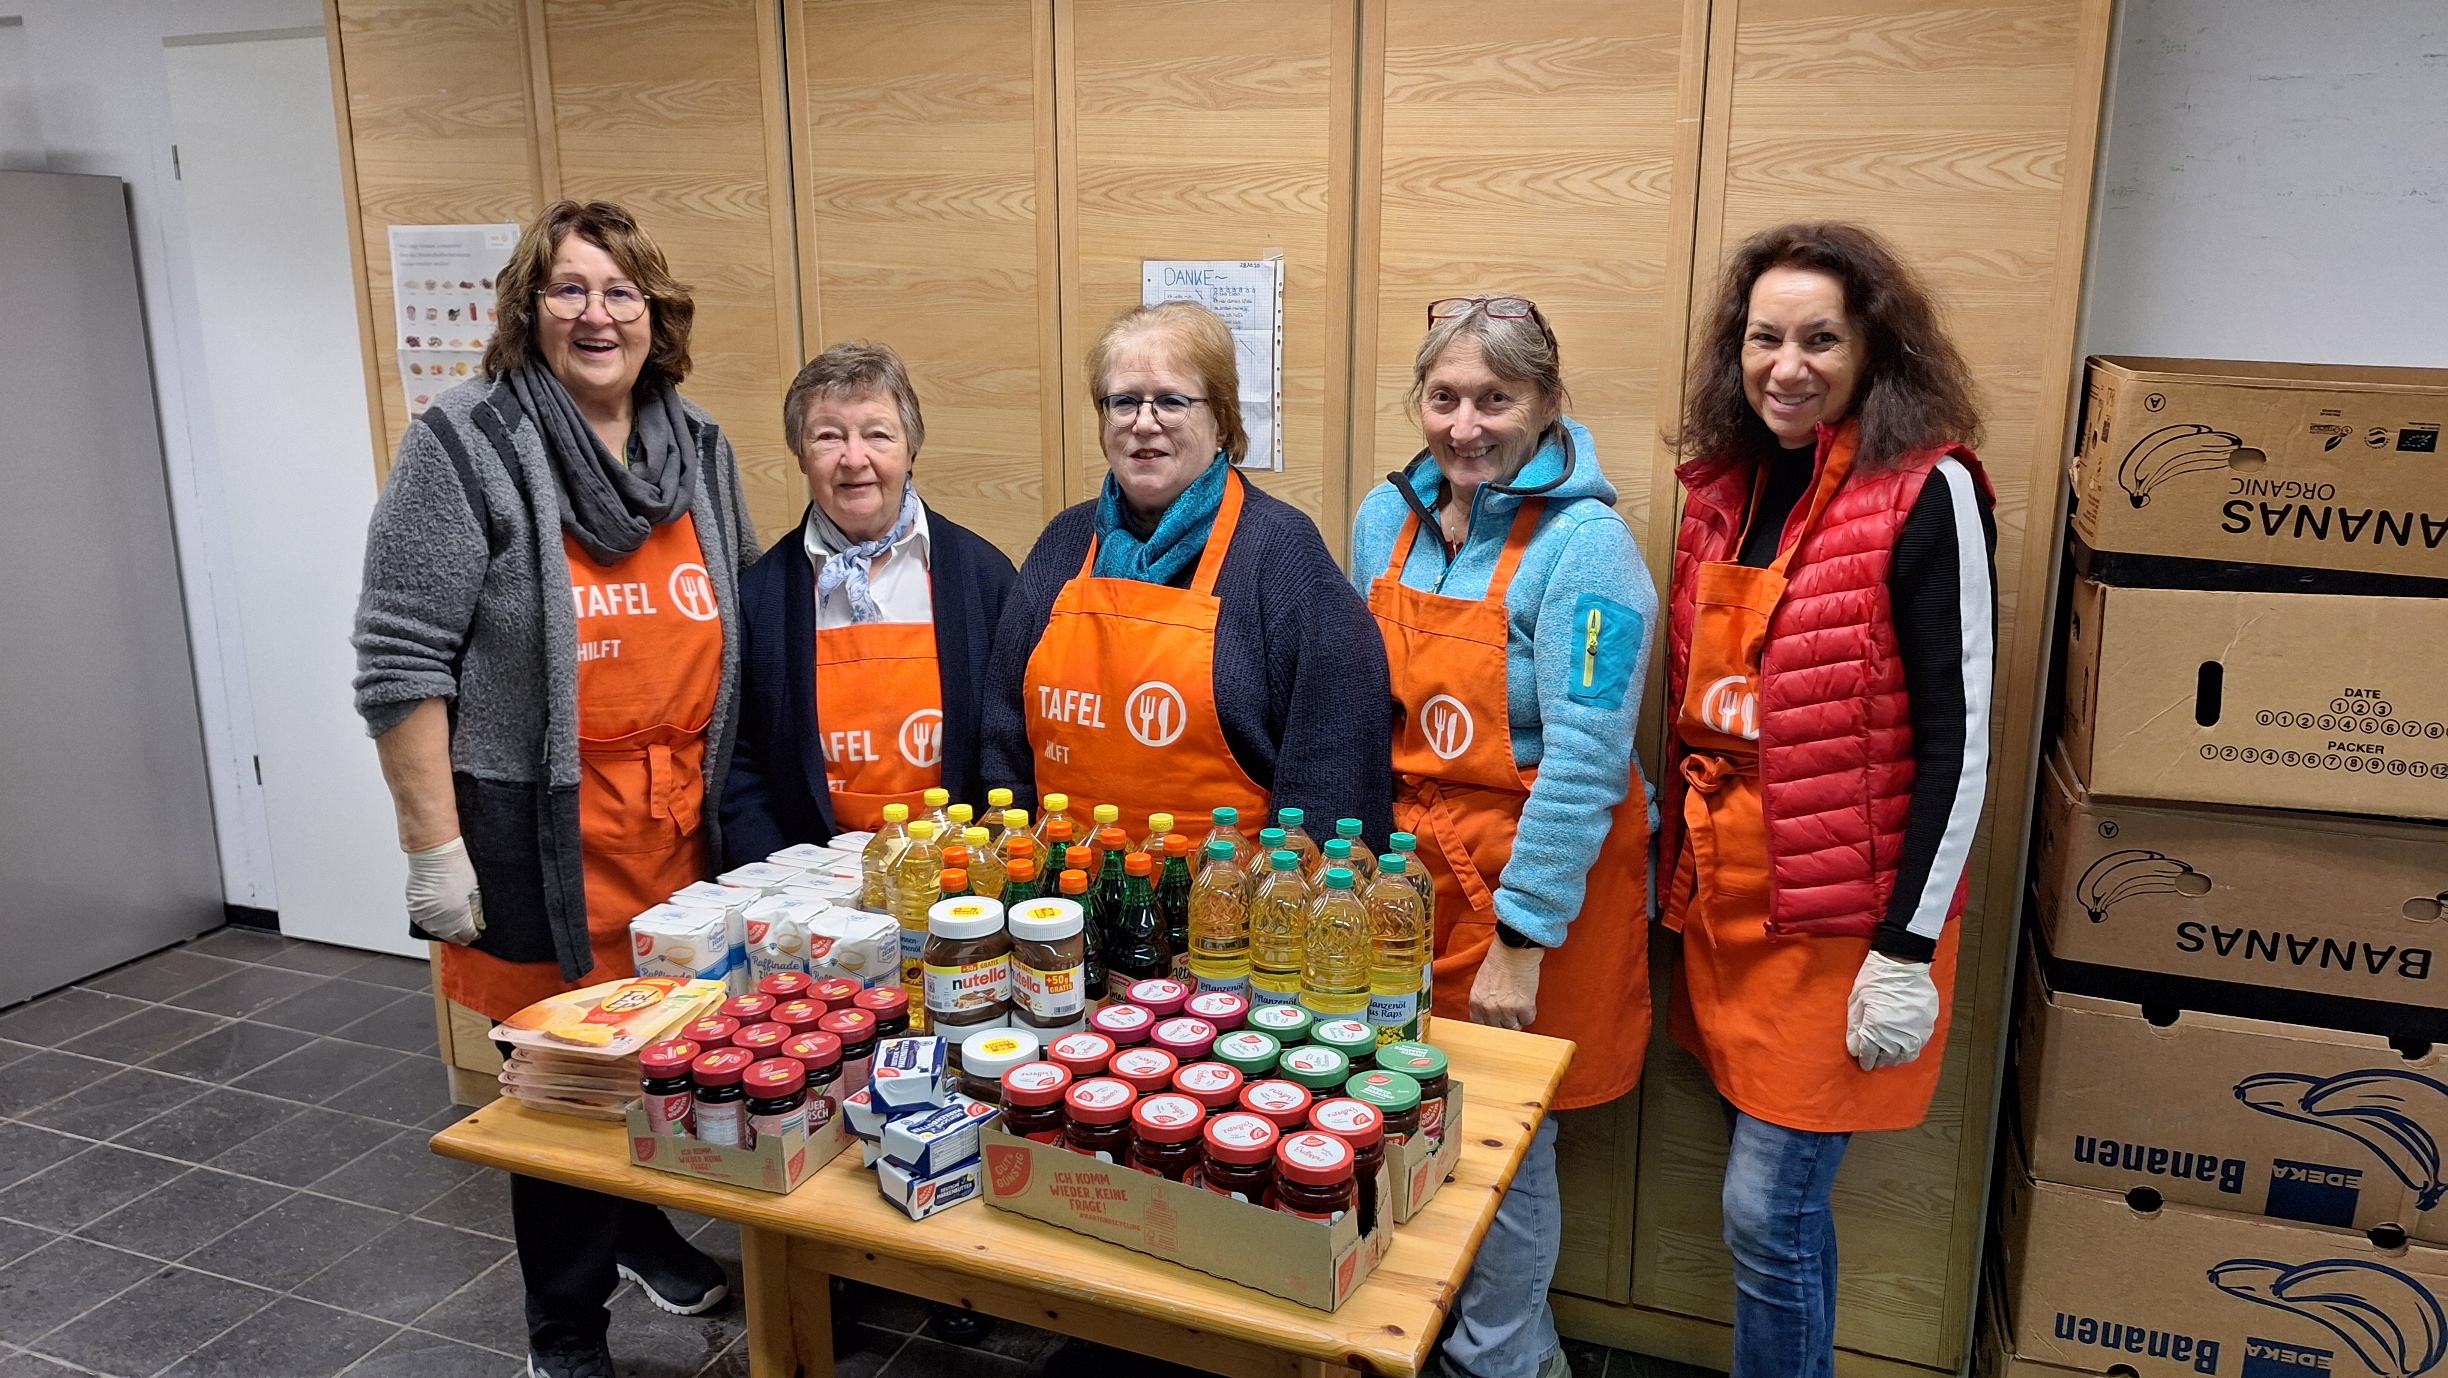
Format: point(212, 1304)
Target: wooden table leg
point(790, 1315)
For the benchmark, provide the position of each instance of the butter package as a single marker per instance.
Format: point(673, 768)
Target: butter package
point(909, 1073)
point(852, 942)
point(690, 944)
point(760, 875)
point(920, 1196)
point(939, 1138)
point(866, 1121)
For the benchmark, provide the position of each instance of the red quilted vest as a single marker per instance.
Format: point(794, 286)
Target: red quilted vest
point(1836, 742)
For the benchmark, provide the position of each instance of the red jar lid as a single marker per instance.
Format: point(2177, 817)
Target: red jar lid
point(1099, 1100)
point(670, 1058)
point(713, 1031)
point(1241, 1137)
point(836, 991)
point(784, 985)
point(1161, 997)
point(1124, 1024)
point(1082, 1054)
point(721, 1067)
point(814, 1049)
point(1148, 1070)
point(1035, 1083)
point(764, 1039)
point(1284, 1102)
point(1221, 1008)
point(774, 1078)
point(1314, 1158)
point(1211, 1084)
point(1356, 1122)
point(1168, 1119)
point(850, 1026)
point(799, 1014)
point(883, 1001)
point(1185, 1037)
point(749, 1009)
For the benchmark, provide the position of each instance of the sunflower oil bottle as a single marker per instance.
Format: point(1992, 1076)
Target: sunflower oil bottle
point(917, 884)
point(878, 858)
point(1219, 919)
point(1415, 870)
point(1227, 827)
point(958, 818)
point(1154, 843)
point(1173, 885)
point(1399, 954)
point(936, 808)
point(1278, 930)
point(1338, 950)
point(1290, 820)
point(1015, 828)
point(985, 868)
point(1338, 852)
point(1055, 806)
point(1364, 866)
point(997, 801)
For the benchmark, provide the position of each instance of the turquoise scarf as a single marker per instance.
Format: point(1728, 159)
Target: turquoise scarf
point(1179, 539)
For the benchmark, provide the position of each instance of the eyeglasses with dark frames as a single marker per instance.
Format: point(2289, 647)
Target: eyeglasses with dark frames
point(1122, 409)
point(568, 301)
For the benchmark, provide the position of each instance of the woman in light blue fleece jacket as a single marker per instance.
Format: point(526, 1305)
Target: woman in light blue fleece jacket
point(1511, 594)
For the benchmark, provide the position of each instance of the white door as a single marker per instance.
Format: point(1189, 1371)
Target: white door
point(267, 232)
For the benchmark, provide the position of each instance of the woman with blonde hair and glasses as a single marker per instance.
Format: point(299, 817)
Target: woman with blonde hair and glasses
point(548, 658)
point(1517, 618)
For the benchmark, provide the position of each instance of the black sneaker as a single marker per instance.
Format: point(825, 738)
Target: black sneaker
point(585, 1363)
point(676, 1278)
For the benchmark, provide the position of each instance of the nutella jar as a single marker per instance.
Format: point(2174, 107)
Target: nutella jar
point(1032, 1101)
point(1239, 1156)
point(986, 1055)
point(1165, 1133)
point(1049, 965)
point(1096, 1118)
point(968, 967)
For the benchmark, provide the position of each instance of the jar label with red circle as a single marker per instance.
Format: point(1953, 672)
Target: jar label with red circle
point(1158, 991)
point(1035, 1076)
point(1215, 1002)
point(1348, 1117)
point(1124, 1016)
point(1245, 1045)
point(1143, 1062)
point(1171, 1110)
point(1185, 1031)
point(1080, 1047)
point(1207, 1076)
point(1311, 1059)
point(1242, 1130)
point(1101, 1094)
point(1276, 1095)
point(1310, 1149)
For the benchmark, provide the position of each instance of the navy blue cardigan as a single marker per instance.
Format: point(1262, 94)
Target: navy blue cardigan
point(776, 794)
point(1301, 684)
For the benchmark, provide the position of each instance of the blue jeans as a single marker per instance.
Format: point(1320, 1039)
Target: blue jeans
point(1502, 1327)
point(1783, 1234)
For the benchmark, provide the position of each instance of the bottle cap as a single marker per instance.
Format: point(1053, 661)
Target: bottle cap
point(1159, 824)
point(1221, 1008)
point(1075, 882)
point(1283, 859)
point(1291, 818)
point(1023, 868)
point(669, 1058)
point(882, 1001)
point(851, 1025)
point(937, 798)
point(1081, 1054)
point(1289, 1023)
point(748, 1009)
point(954, 880)
point(1314, 1158)
point(1338, 878)
point(1080, 857)
point(989, 1053)
point(1176, 845)
point(835, 992)
point(1338, 849)
point(1147, 1070)
point(1249, 1052)
point(1058, 833)
point(1242, 1138)
point(1112, 839)
point(1168, 1119)
point(1349, 1037)
point(1319, 1069)
point(960, 814)
point(1125, 1024)
point(896, 813)
point(1138, 864)
point(774, 1078)
point(1105, 813)
point(1185, 1037)
point(1211, 1084)
point(1099, 1100)
point(1403, 842)
point(814, 1050)
point(721, 1066)
point(1035, 1083)
point(784, 985)
point(1045, 920)
point(1219, 850)
point(1347, 827)
point(1394, 864)
point(1225, 818)
point(977, 838)
point(1392, 1092)
point(970, 916)
point(1285, 1103)
point(1057, 803)
point(1415, 1059)
point(799, 1015)
point(923, 829)
point(1013, 818)
point(713, 1031)
point(1272, 838)
point(955, 853)
point(998, 798)
point(1356, 1122)
point(1161, 997)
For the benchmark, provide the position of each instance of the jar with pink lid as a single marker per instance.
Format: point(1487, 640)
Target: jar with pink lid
point(1161, 997)
point(1225, 1010)
point(1126, 1025)
point(1187, 1038)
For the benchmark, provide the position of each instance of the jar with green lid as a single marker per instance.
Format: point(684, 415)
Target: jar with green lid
point(1355, 1039)
point(1251, 1053)
point(1317, 1068)
point(1427, 1066)
point(1289, 1024)
point(1395, 1095)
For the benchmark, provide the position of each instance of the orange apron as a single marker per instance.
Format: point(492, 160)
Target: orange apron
point(649, 669)
point(879, 698)
point(1766, 1015)
point(1462, 794)
point(1120, 693)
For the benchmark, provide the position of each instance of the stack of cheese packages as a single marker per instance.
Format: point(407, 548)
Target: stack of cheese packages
point(795, 911)
point(576, 1053)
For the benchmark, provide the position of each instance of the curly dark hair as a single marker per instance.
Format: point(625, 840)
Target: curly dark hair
point(1915, 390)
point(669, 308)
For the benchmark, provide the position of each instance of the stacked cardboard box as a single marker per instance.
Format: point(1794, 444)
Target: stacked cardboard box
point(2230, 1118)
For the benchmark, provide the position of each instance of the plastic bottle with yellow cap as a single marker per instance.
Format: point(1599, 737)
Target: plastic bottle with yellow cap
point(917, 885)
point(985, 868)
point(879, 857)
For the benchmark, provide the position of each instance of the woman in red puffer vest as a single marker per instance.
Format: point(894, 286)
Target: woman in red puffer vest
point(1829, 663)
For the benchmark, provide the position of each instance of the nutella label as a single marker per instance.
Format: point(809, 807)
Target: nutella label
point(1060, 993)
point(969, 987)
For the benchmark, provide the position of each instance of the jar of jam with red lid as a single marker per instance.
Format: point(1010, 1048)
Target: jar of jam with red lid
point(1148, 1070)
point(1186, 1037)
point(721, 1112)
point(799, 1014)
point(1313, 1175)
point(837, 992)
point(1212, 1084)
point(713, 1031)
point(664, 1078)
point(765, 1040)
point(1033, 1101)
point(856, 1029)
point(1285, 1103)
point(889, 1005)
point(1165, 1132)
point(1238, 1156)
point(1083, 1055)
point(1096, 1118)
point(749, 1009)
point(820, 1053)
point(1361, 1125)
point(1126, 1025)
point(1221, 1008)
point(777, 1099)
point(1427, 1065)
point(1161, 997)
point(785, 985)
point(1396, 1097)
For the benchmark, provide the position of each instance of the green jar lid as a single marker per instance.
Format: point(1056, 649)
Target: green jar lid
point(1413, 1058)
point(1392, 1092)
point(1251, 1052)
point(1350, 1037)
point(1318, 1068)
point(1289, 1023)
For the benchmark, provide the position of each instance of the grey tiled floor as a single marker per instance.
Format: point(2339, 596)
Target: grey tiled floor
point(213, 1164)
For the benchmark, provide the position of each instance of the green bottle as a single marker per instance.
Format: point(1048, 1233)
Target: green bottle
point(1137, 952)
point(1173, 906)
point(1106, 913)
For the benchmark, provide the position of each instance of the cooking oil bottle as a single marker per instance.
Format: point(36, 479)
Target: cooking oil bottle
point(1153, 844)
point(1415, 870)
point(1278, 930)
point(1219, 919)
point(1335, 964)
point(1399, 955)
point(985, 868)
point(1364, 866)
point(1020, 884)
point(1338, 852)
point(1227, 827)
point(997, 800)
point(1056, 807)
point(1290, 820)
point(937, 809)
point(917, 884)
point(877, 860)
point(1014, 825)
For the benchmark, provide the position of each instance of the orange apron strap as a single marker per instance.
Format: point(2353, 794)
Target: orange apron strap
point(1517, 544)
point(1457, 853)
point(1219, 539)
point(1402, 546)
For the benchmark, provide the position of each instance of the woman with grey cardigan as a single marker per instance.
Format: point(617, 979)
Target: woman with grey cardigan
point(557, 761)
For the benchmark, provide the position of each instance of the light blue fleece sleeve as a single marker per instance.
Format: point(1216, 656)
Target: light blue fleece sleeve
point(1589, 708)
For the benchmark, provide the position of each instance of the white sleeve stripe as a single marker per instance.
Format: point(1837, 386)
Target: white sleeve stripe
point(1979, 650)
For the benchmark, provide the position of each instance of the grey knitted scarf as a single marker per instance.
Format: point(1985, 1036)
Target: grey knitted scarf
point(611, 506)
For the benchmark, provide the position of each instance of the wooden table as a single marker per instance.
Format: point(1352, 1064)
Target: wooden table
point(1025, 1270)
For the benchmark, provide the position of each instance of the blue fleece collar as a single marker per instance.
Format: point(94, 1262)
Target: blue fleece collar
point(1179, 539)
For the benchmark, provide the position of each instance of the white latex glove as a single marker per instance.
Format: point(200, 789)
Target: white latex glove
point(1889, 1016)
point(442, 898)
point(1504, 995)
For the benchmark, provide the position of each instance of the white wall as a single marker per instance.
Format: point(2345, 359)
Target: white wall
point(2274, 183)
